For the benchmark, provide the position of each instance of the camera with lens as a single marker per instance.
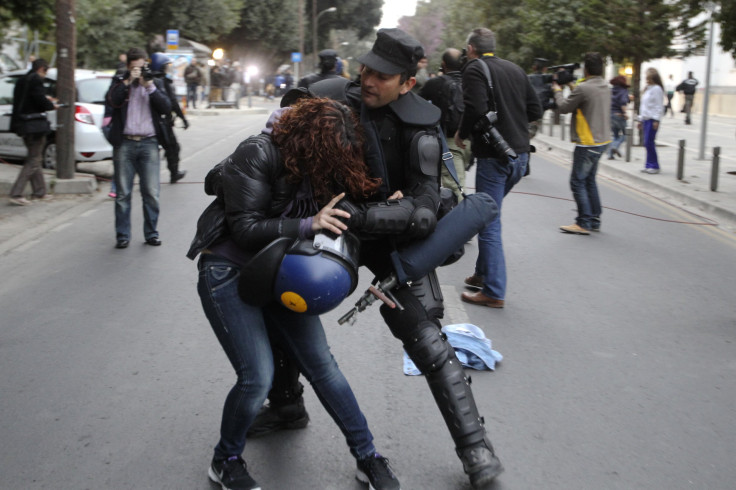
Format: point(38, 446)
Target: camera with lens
point(146, 73)
point(490, 134)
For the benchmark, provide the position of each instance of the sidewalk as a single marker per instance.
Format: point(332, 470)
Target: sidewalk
point(694, 190)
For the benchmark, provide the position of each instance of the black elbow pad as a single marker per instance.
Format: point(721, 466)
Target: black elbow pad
point(423, 222)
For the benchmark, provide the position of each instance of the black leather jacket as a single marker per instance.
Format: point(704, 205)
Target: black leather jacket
point(252, 194)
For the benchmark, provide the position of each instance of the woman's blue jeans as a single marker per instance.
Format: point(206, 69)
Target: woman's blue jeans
point(649, 135)
point(243, 332)
point(496, 178)
point(618, 128)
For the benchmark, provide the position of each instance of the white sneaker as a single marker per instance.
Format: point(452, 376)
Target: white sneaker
point(19, 201)
point(650, 170)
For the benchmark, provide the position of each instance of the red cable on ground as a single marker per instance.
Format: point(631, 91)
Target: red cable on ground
point(711, 222)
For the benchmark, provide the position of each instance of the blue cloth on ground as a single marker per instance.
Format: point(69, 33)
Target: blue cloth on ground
point(472, 348)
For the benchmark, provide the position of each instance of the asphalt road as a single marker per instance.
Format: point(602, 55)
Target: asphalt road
point(618, 368)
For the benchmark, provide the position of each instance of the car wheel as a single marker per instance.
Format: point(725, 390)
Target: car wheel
point(49, 154)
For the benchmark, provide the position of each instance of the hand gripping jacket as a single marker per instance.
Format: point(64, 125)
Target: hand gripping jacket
point(409, 119)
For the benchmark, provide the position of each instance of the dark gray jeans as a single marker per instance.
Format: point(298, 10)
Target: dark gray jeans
point(32, 169)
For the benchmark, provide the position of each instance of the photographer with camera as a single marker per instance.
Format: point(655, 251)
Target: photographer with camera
point(590, 129)
point(139, 104)
point(500, 102)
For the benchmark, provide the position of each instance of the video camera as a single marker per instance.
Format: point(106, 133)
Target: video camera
point(542, 82)
point(563, 74)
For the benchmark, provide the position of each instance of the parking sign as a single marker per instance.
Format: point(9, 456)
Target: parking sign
point(172, 39)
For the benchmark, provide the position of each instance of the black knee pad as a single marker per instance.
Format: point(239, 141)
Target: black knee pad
point(403, 323)
point(429, 348)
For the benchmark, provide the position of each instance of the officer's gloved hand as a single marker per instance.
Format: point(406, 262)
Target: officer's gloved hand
point(186, 123)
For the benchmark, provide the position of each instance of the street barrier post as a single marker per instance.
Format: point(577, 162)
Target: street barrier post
point(628, 133)
point(680, 159)
point(714, 169)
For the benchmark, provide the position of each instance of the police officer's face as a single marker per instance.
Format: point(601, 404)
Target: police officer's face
point(379, 89)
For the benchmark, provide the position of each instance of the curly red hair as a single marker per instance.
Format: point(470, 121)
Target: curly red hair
point(322, 139)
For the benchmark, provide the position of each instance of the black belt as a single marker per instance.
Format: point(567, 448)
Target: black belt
point(135, 137)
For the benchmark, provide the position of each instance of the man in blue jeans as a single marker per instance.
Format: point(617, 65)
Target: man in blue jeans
point(590, 129)
point(139, 102)
point(515, 103)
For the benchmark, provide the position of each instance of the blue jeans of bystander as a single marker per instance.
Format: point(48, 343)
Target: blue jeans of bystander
point(142, 158)
point(649, 135)
point(584, 188)
point(496, 178)
point(243, 332)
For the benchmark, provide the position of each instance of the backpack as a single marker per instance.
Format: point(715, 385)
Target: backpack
point(453, 105)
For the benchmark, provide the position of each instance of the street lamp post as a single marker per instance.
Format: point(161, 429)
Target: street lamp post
point(315, 21)
point(711, 8)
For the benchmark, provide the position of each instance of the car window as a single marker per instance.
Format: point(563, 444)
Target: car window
point(7, 85)
point(92, 90)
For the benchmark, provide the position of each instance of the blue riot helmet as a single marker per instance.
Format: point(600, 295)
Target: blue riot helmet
point(159, 62)
point(316, 275)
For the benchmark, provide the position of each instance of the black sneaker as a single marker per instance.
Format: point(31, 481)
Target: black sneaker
point(232, 474)
point(480, 464)
point(271, 419)
point(376, 472)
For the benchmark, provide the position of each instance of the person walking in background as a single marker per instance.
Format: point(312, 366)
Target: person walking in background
point(446, 92)
point(687, 87)
point(193, 79)
point(619, 101)
point(139, 104)
point(28, 120)
point(650, 113)
point(162, 68)
point(669, 88)
point(327, 68)
point(280, 184)
point(514, 100)
point(590, 101)
point(217, 79)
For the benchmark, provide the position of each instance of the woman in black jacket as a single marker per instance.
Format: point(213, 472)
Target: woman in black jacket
point(284, 182)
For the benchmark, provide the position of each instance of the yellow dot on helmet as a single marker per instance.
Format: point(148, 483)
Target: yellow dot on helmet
point(293, 301)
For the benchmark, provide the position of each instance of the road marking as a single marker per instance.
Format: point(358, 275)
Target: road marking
point(454, 307)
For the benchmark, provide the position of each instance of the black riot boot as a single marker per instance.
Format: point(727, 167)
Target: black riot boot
point(285, 409)
point(451, 390)
point(428, 347)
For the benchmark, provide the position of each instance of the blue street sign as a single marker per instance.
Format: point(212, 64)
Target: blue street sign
point(172, 39)
point(296, 57)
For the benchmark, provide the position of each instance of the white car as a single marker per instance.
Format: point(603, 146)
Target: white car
point(89, 142)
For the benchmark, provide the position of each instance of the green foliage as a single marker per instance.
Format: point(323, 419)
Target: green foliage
point(104, 30)
point(196, 20)
point(36, 15)
point(727, 19)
